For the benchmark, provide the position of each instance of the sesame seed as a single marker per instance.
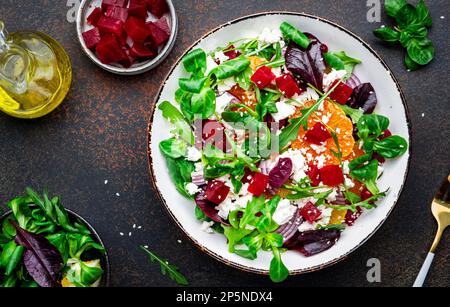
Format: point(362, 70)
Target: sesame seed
point(146, 246)
point(129, 234)
point(442, 17)
point(423, 114)
point(106, 181)
point(134, 226)
point(179, 241)
point(139, 227)
point(118, 194)
point(121, 233)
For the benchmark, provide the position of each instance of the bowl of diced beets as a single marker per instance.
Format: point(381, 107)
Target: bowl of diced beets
point(127, 37)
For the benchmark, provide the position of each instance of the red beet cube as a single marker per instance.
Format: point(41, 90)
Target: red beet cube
point(95, 16)
point(288, 86)
point(138, 9)
point(163, 25)
point(366, 194)
point(119, 3)
point(310, 212)
point(129, 61)
point(230, 53)
point(159, 36)
point(92, 37)
point(110, 25)
point(317, 134)
point(142, 52)
point(158, 7)
point(387, 133)
point(331, 175)
point(263, 77)
point(137, 29)
point(341, 93)
point(259, 183)
point(351, 217)
point(216, 191)
point(116, 12)
point(109, 51)
point(313, 174)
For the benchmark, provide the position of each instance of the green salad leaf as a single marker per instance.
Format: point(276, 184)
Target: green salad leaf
point(291, 33)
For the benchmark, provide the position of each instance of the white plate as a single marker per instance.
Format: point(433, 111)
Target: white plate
point(391, 103)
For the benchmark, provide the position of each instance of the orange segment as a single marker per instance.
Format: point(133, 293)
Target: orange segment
point(337, 122)
point(256, 61)
point(337, 217)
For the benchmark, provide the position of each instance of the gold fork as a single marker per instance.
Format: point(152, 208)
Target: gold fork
point(441, 211)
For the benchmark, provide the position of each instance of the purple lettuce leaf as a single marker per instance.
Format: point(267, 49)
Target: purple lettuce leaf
point(41, 259)
point(208, 208)
point(313, 242)
point(307, 64)
point(280, 173)
point(363, 97)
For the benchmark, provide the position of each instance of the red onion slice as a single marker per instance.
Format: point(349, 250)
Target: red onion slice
point(289, 229)
point(353, 81)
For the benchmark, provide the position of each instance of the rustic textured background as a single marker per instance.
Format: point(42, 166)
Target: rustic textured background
point(99, 133)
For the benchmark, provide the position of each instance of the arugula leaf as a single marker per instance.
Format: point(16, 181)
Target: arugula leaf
point(290, 133)
point(291, 33)
point(195, 62)
point(167, 269)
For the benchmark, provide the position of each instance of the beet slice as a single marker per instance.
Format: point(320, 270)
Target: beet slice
point(208, 208)
point(95, 16)
point(116, 12)
point(137, 30)
point(110, 25)
point(158, 7)
point(119, 3)
point(140, 51)
point(313, 242)
point(92, 38)
point(159, 36)
point(109, 50)
point(163, 24)
point(138, 9)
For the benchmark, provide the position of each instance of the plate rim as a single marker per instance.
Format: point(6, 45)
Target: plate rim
point(150, 159)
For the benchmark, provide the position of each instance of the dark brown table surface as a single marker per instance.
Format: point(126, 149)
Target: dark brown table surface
point(99, 133)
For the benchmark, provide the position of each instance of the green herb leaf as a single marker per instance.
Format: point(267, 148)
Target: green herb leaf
point(393, 6)
point(367, 174)
point(173, 148)
point(406, 16)
point(231, 68)
point(387, 34)
point(278, 271)
point(291, 33)
point(423, 14)
point(410, 64)
point(193, 85)
point(173, 115)
point(167, 269)
point(195, 62)
point(372, 125)
point(391, 147)
point(421, 51)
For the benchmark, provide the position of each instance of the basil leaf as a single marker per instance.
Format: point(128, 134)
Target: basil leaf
point(410, 64)
point(195, 62)
point(194, 85)
point(391, 147)
point(173, 148)
point(423, 14)
point(406, 16)
point(291, 33)
point(387, 34)
point(416, 31)
point(393, 6)
point(231, 68)
point(204, 103)
point(421, 51)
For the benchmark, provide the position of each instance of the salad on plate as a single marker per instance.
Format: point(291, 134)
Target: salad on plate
point(276, 142)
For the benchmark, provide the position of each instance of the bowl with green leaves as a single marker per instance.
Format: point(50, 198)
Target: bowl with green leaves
point(42, 244)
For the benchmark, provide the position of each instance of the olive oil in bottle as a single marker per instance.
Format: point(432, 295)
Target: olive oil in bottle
point(35, 73)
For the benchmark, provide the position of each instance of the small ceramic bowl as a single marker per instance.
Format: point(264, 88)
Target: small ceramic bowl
point(104, 258)
point(87, 6)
